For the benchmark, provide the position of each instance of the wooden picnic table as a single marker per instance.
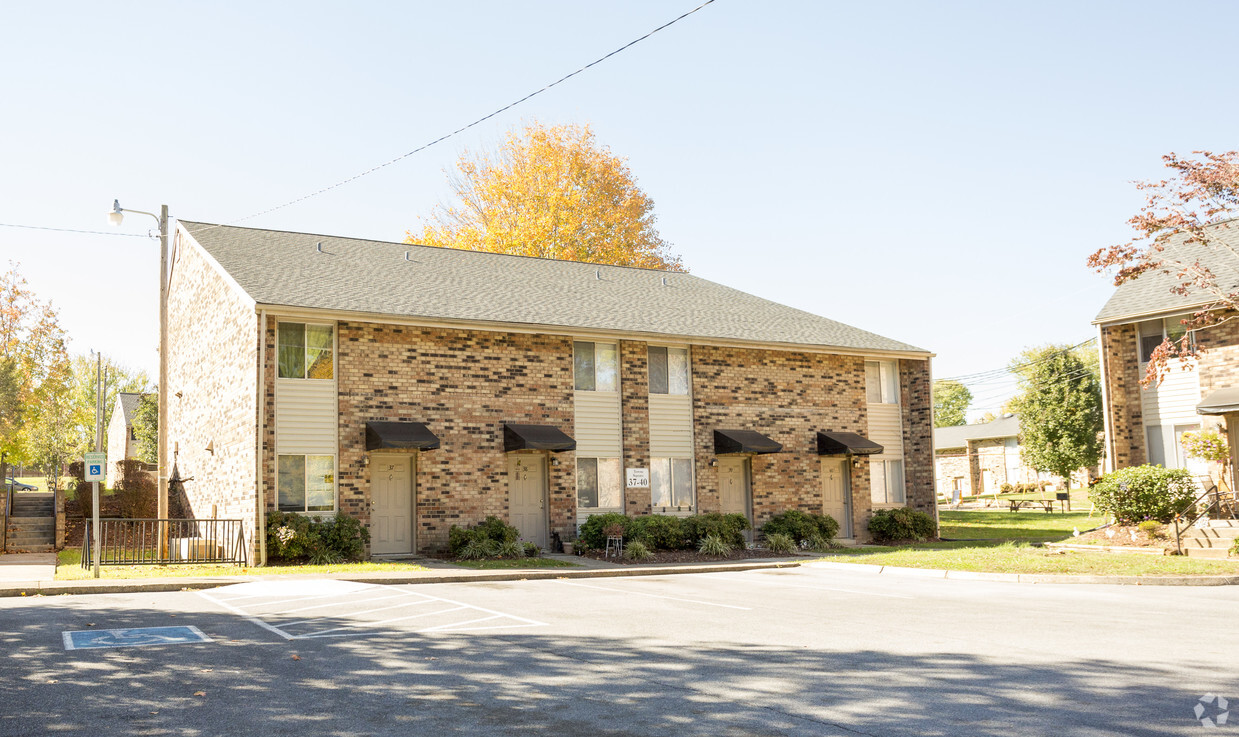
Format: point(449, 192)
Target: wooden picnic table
point(1046, 504)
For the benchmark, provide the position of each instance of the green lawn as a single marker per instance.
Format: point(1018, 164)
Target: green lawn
point(1028, 525)
point(502, 563)
point(69, 568)
point(1021, 558)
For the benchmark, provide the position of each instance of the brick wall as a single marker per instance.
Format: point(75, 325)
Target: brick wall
point(212, 391)
point(916, 405)
point(635, 417)
point(950, 464)
point(1219, 361)
point(464, 385)
point(789, 397)
point(1122, 370)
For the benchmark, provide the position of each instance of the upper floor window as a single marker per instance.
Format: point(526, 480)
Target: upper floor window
point(881, 382)
point(305, 351)
point(595, 367)
point(1153, 332)
point(668, 370)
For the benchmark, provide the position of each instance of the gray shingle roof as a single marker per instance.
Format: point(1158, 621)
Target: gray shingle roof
point(1150, 294)
point(958, 436)
point(286, 269)
point(128, 403)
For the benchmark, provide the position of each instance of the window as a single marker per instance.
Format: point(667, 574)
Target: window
point(886, 481)
point(668, 370)
point(305, 351)
point(1153, 332)
point(598, 483)
point(881, 382)
point(671, 482)
point(306, 483)
point(595, 367)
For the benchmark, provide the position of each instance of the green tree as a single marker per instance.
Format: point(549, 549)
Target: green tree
point(119, 379)
point(951, 400)
point(1060, 408)
point(550, 192)
point(146, 428)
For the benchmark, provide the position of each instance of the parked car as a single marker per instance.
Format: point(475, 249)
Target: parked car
point(19, 486)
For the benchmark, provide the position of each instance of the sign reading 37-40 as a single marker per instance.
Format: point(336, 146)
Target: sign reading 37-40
point(96, 466)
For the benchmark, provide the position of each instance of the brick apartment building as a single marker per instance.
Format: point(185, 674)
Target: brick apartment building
point(415, 388)
point(1145, 425)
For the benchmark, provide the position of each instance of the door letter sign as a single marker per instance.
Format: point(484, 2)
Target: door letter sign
point(96, 466)
point(638, 478)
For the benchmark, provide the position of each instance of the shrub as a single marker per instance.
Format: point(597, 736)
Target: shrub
point(713, 545)
point(657, 532)
point(510, 549)
point(636, 550)
point(816, 543)
point(136, 493)
point(726, 527)
point(901, 524)
point(802, 527)
point(532, 550)
point(1144, 492)
point(779, 542)
point(492, 530)
point(478, 547)
point(593, 532)
point(296, 538)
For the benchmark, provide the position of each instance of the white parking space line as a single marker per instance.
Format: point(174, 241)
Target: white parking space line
point(627, 592)
point(782, 584)
point(349, 608)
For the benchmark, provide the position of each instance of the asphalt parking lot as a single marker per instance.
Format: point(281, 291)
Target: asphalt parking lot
point(808, 651)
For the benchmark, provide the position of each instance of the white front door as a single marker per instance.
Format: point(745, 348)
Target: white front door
point(836, 500)
point(527, 497)
point(391, 511)
point(733, 487)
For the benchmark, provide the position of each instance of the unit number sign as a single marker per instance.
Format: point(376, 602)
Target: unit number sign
point(638, 478)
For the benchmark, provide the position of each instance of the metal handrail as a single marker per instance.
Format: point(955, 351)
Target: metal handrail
point(135, 542)
point(1182, 521)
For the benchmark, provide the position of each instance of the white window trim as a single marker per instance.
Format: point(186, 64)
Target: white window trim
point(618, 361)
point(335, 352)
point(576, 494)
point(335, 486)
point(675, 511)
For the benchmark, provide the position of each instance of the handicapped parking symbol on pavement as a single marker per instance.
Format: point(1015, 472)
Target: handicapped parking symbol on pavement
point(133, 637)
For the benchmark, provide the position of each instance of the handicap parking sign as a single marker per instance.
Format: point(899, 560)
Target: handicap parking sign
point(95, 465)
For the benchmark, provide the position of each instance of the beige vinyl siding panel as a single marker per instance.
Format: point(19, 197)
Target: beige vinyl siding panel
point(597, 425)
point(671, 426)
point(1174, 402)
point(886, 429)
point(306, 414)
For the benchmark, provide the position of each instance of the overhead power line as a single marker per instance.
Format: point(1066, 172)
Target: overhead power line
point(71, 230)
point(979, 377)
point(482, 119)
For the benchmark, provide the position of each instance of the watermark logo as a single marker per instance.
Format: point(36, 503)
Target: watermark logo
point(1212, 710)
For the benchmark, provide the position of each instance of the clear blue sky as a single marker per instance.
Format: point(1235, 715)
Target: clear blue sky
point(934, 172)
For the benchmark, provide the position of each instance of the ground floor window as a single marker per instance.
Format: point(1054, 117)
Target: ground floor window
point(671, 482)
point(306, 483)
point(598, 484)
point(886, 481)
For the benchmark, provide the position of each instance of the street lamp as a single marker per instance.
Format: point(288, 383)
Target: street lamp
point(116, 217)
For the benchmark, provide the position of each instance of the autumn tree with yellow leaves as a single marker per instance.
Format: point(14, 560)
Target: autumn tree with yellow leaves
point(550, 192)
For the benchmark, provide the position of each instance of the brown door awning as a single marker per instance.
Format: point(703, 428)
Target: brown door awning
point(536, 437)
point(1220, 402)
point(743, 441)
point(400, 435)
point(832, 443)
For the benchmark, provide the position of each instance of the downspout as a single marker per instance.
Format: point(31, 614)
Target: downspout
point(1108, 465)
point(261, 499)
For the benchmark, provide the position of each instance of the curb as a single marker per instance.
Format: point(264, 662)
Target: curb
point(127, 586)
point(1029, 577)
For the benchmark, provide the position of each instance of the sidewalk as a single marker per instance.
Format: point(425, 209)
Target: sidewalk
point(33, 575)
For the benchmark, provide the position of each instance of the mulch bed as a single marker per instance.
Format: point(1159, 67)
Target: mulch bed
point(664, 557)
point(1122, 536)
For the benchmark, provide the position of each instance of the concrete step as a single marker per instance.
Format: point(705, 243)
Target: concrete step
point(31, 548)
point(33, 512)
point(1206, 543)
point(32, 522)
point(1205, 552)
point(1222, 533)
point(1223, 523)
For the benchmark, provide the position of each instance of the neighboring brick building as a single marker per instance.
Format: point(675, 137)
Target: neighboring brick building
point(979, 459)
point(122, 442)
point(415, 388)
point(1145, 425)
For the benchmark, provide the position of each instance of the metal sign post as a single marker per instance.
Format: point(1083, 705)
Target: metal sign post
point(96, 463)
